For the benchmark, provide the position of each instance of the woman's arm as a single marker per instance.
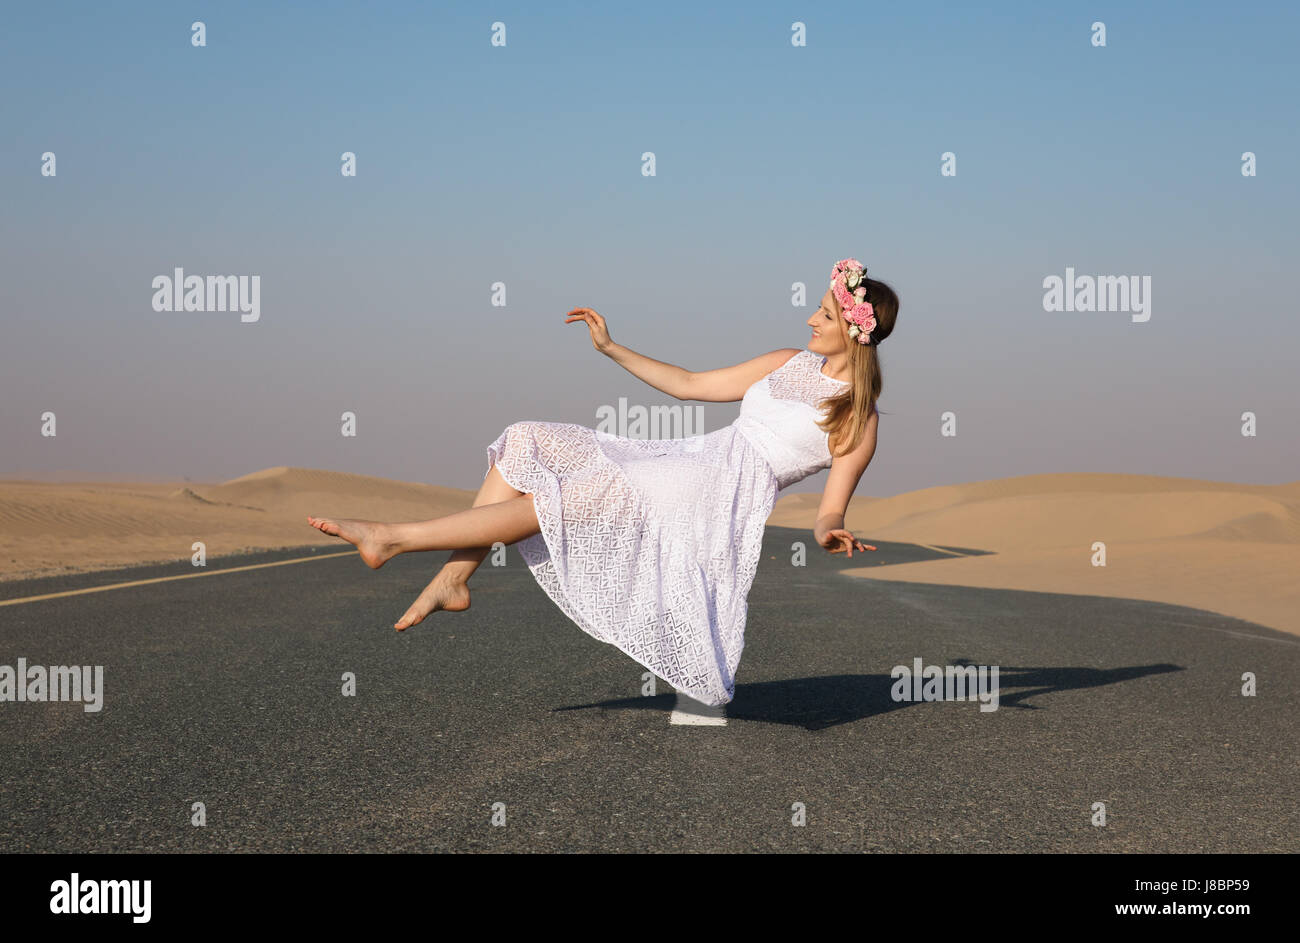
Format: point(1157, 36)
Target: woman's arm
point(725, 385)
point(846, 471)
point(665, 377)
point(728, 384)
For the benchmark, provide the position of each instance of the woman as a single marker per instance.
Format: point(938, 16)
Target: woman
point(651, 544)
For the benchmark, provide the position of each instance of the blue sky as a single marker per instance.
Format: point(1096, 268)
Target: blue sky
point(522, 164)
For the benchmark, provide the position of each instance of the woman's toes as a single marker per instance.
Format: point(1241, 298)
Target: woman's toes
point(414, 616)
point(324, 525)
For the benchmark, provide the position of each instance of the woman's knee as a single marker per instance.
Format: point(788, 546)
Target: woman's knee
point(500, 489)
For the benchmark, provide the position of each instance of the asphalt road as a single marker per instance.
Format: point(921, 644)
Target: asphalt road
point(227, 690)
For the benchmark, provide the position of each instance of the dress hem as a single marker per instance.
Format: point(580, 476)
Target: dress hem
point(566, 606)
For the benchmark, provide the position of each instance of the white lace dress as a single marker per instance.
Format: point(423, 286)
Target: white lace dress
point(651, 544)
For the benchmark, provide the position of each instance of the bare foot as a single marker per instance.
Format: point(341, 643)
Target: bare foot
point(439, 594)
point(371, 538)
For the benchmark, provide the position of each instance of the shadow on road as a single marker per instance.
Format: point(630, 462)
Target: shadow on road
point(830, 700)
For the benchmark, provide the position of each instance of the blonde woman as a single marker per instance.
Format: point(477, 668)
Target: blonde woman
point(651, 545)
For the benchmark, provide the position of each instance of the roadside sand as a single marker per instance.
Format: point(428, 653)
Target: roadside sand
point(1227, 548)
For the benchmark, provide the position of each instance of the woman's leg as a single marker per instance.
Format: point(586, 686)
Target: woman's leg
point(380, 542)
point(460, 566)
point(449, 588)
point(508, 521)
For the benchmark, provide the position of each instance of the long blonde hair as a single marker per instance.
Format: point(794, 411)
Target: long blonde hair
point(847, 412)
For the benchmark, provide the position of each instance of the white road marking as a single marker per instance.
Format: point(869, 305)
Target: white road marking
point(690, 712)
point(166, 579)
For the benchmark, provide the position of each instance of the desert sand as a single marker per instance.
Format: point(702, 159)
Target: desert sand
point(1227, 548)
point(49, 529)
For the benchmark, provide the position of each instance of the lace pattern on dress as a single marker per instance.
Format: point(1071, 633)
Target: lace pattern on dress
point(801, 378)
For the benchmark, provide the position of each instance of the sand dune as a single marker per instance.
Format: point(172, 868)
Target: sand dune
point(1231, 549)
point(72, 527)
point(1227, 548)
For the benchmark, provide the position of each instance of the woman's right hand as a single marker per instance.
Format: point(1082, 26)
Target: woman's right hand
point(595, 324)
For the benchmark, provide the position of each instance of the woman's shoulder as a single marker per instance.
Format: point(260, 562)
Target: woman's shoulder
point(781, 358)
point(792, 355)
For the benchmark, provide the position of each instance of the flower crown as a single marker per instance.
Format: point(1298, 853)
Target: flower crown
point(849, 285)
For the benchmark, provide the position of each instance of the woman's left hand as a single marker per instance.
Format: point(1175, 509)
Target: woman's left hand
point(841, 541)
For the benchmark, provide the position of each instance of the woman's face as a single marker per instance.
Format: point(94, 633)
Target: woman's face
point(827, 327)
